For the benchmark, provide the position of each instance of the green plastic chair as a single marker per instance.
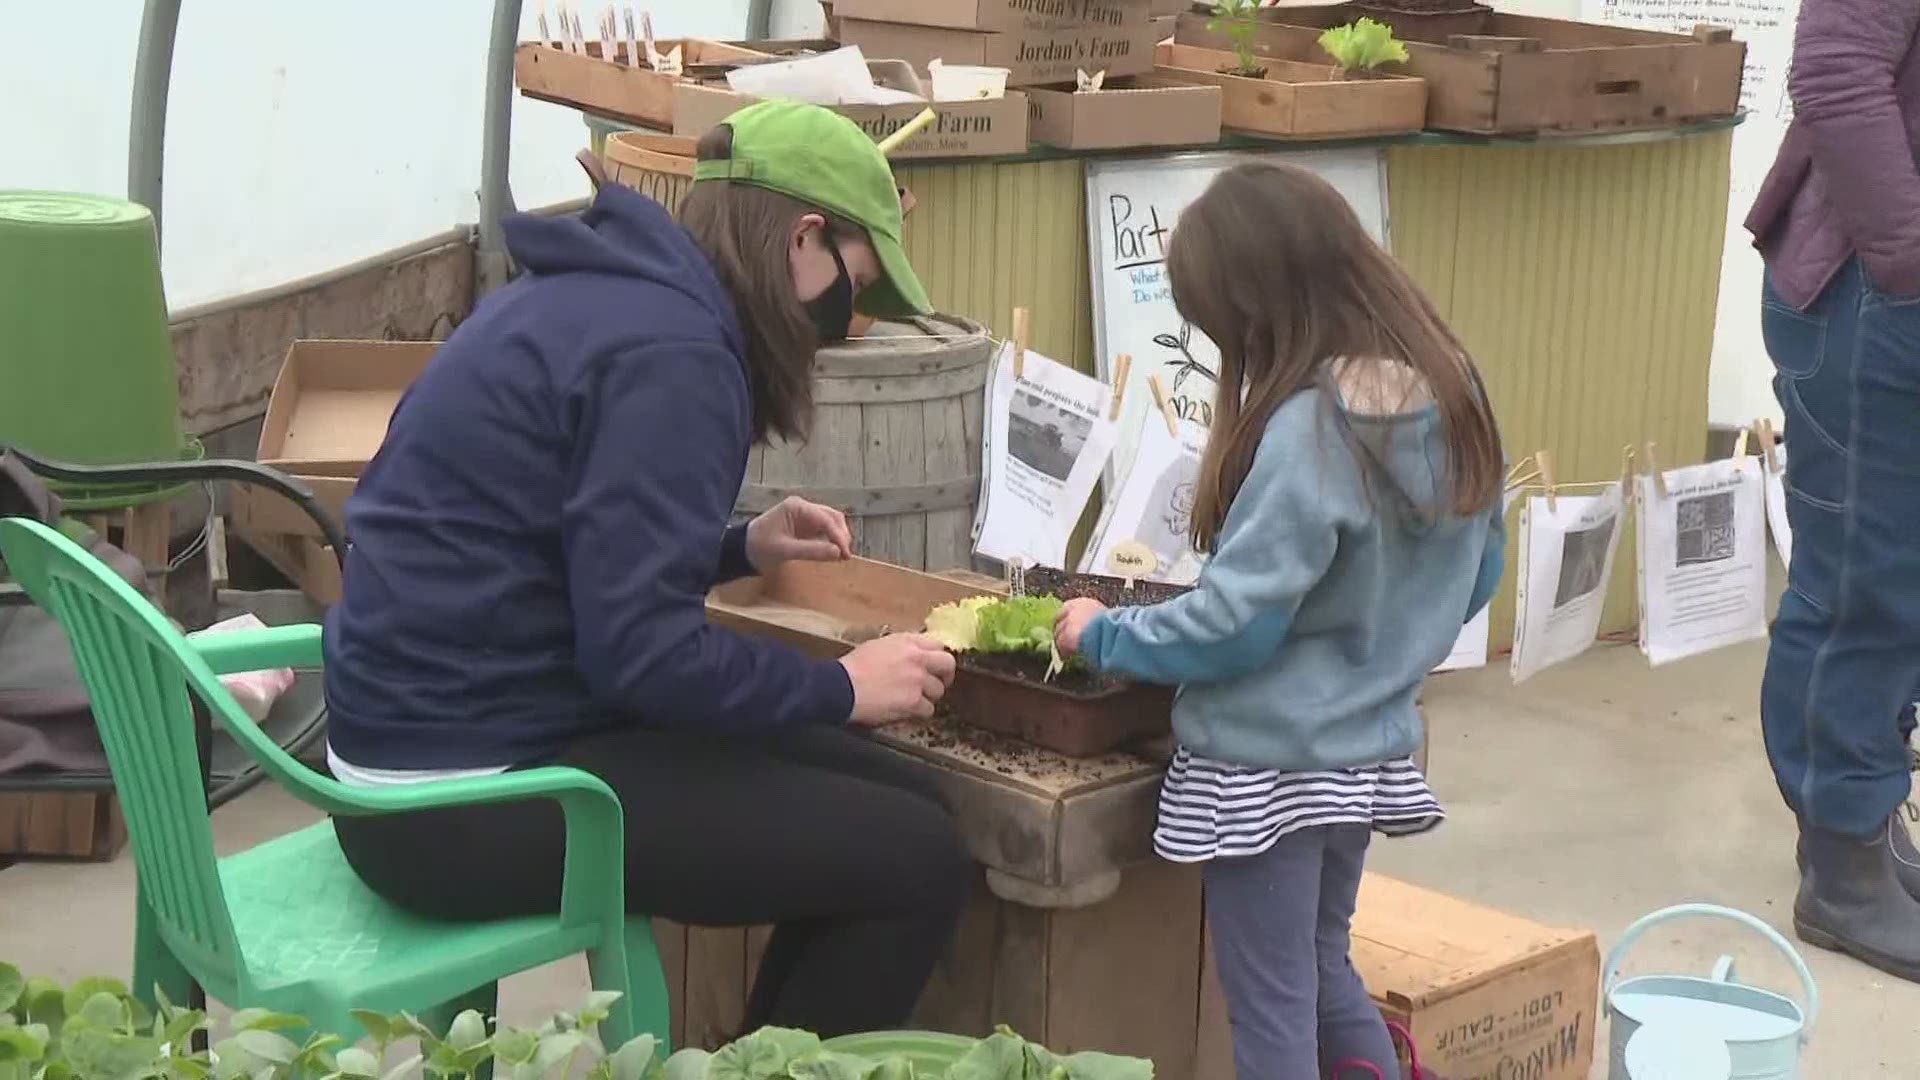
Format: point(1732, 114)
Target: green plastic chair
point(288, 925)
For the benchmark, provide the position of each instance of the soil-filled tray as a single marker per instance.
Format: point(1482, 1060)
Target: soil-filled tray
point(1079, 712)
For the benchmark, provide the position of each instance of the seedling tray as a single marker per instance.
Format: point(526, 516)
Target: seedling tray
point(1078, 713)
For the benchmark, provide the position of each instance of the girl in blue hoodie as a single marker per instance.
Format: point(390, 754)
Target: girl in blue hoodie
point(1349, 501)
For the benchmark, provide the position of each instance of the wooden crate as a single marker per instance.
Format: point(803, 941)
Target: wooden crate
point(1297, 100)
point(1525, 75)
point(638, 94)
point(63, 826)
point(1122, 976)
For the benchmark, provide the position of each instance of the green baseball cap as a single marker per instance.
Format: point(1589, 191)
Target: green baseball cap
point(825, 160)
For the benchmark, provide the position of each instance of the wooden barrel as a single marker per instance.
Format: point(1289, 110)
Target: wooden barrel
point(657, 166)
point(896, 441)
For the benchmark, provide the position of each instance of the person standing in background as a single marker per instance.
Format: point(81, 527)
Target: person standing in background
point(1838, 224)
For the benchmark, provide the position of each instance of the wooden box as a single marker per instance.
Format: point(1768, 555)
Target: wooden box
point(1034, 57)
point(1483, 993)
point(1525, 75)
point(638, 94)
point(1124, 115)
point(825, 609)
point(1297, 100)
point(61, 826)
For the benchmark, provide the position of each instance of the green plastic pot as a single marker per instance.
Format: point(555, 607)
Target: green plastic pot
point(87, 371)
point(932, 1052)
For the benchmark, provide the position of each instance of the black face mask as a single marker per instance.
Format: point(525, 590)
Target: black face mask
point(832, 310)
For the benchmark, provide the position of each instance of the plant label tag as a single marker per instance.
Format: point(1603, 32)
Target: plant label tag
point(1016, 576)
point(1132, 560)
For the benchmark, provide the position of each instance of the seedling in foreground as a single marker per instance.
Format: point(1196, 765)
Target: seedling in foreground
point(1240, 20)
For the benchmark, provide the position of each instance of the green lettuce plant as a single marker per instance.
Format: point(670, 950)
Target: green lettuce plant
point(95, 1030)
point(1363, 45)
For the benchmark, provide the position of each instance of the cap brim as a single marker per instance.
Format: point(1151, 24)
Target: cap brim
point(898, 294)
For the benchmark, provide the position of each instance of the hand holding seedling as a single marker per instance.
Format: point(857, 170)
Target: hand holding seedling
point(899, 677)
point(1072, 622)
point(798, 531)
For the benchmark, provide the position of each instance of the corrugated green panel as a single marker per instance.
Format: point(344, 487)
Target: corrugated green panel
point(1585, 280)
point(988, 238)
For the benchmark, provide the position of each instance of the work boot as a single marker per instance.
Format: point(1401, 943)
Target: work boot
point(1906, 856)
point(1852, 901)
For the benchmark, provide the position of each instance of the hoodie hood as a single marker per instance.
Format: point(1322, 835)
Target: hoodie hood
point(625, 234)
point(1389, 410)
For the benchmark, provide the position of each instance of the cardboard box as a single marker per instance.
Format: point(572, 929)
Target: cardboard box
point(995, 128)
point(1124, 116)
point(1484, 994)
point(1170, 8)
point(1297, 100)
point(637, 94)
point(325, 419)
point(1035, 57)
point(1002, 15)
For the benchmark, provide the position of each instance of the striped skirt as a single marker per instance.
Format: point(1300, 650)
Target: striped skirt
point(1210, 809)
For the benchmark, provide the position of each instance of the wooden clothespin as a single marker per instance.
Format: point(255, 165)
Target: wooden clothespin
point(1626, 466)
point(540, 20)
point(1740, 443)
point(1164, 403)
point(907, 131)
point(1021, 319)
point(1653, 470)
point(1122, 367)
point(1545, 462)
point(1769, 445)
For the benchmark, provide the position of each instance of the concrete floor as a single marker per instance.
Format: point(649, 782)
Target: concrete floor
point(1594, 794)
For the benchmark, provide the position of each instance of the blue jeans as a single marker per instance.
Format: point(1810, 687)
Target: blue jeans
point(1845, 657)
point(1281, 940)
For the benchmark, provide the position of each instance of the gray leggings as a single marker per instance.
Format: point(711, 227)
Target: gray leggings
point(1280, 924)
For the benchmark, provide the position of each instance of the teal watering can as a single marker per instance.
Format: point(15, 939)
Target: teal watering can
point(1665, 1027)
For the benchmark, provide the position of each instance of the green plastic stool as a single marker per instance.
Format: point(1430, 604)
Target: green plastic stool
point(87, 371)
point(287, 925)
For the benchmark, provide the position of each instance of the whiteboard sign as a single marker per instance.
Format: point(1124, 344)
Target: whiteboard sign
point(1132, 207)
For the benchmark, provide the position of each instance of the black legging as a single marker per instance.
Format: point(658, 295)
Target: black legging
point(820, 832)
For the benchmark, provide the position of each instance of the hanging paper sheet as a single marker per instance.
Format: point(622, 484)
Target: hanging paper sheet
point(1049, 436)
point(1703, 559)
point(1566, 560)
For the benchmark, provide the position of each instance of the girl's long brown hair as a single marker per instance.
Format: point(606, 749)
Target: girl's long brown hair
point(1274, 266)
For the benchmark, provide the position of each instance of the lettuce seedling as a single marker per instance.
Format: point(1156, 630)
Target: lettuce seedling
point(1363, 45)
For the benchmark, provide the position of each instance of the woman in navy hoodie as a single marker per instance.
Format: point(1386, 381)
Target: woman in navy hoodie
point(531, 550)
